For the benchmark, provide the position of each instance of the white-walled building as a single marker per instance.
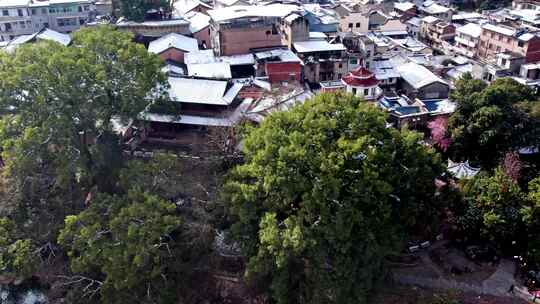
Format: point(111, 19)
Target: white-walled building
point(23, 17)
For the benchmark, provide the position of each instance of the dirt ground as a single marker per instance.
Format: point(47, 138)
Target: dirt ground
point(416, 295)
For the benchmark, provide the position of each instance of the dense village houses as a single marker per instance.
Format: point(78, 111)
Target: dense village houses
point(24, 17)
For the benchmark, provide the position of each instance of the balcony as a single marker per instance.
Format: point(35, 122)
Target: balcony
point(466, 42)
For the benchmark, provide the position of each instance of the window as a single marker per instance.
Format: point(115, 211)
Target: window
point(22, 24)
point(366, 92)
point(52, 11)
point(34, 12)
point(20, 12)
point(339, 75)
point(8, 27)
point(357, 24)
point(81, 21)
point(521, 44)
point(274, 29)
point(354, 91)
point(353, 61)
point(340, 66)
point(44, 11)
point(5, 13)
point(350, 25)
point(66, 21)
point(86, 8)
point(80, 9)
point(46, 24)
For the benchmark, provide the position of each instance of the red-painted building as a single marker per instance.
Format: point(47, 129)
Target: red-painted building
point(279, 65)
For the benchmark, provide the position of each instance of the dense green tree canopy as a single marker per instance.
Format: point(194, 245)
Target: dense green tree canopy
point(136, 10)
point(127, 239)
point(488, 121)
point(325, 193)
point(63, 99)
point(494, 204)
point(17, 255)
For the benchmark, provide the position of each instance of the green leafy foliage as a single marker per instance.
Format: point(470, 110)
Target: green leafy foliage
point(130, 240)
point(135, 10)
point(488, 121)
point(64, 98)
point(495, 203)
point(18, 256)
point(326, 192)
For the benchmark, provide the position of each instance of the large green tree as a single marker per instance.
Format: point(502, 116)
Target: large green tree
point(127, 240)
point(57, 136)
point(488, 121)
point(325, 193)
point(63, 101)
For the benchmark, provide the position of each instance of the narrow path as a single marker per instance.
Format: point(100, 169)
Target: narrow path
point(501, 280)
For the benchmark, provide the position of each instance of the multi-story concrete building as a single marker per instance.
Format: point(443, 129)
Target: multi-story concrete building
point(436, 32)
point(467, 39)
point(496, 39)
point(242, 29)
point(21, 17)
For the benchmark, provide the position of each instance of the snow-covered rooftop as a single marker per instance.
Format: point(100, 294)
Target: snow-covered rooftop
point(435, 9)
point(418, 76)
point(403, 6)
point(284, 55)
point(216, 70)
point(244, 11)
point(187, 90)
point(470, 29)
point(507, 31)
point(14, 3)
point(197, 21)
point(200, 56)
point(173, 40)
point(429, 19)
point(182, 7)
point(241, 59)
point(317, 46)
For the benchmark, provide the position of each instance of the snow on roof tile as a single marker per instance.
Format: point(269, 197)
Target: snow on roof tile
point(200, 56)
point(48, 34)
point(244, 11)
point(470, 29)
point(284, 55)
point(317, 46)
point(403, 6)
point(242, 59)
point(182, 7)
point(173, 40)
point(198, 91)
point(418, 76)
point(216, 70)
point(429, 19)
point(499, 29)
point(197, 21)
point(14, 3)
